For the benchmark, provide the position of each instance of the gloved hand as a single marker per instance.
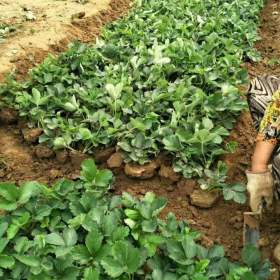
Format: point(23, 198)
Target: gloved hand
point(260, 187)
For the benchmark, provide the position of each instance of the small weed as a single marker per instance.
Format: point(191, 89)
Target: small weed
point(5, 30)
point(273, 62)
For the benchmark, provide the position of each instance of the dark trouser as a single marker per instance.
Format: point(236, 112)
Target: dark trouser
point(260, 93)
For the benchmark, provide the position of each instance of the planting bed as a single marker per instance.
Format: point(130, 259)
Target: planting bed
point(222, 223)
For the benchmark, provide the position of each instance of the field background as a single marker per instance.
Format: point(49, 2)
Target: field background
point(54, 27)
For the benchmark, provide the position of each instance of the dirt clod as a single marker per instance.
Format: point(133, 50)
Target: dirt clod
point(264, 241)
point(238, 226)
point(43, 152)
point(55, 173)
point(104, 154)
point(204, 199)
point(8, 116)
point(31, 135)
point(170, 188)
point(206, 225)
point(235, 219)
point(274, 274)
point(206, 241)
point(276, 254)
point(141, 171)
point(115, 160)
point(77, 158)
point(78, 15)
point(61, 156)
point(187, 185)
point(194, 211)
point(168, 173)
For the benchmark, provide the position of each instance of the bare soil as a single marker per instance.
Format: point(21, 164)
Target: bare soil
point(55, 25)
point(220, 224)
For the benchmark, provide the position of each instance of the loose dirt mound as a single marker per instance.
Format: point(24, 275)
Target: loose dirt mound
point(223, 222)
point(43, 26)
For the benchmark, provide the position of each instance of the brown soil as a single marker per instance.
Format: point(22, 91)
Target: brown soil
point(223, 222)
point(57, 23)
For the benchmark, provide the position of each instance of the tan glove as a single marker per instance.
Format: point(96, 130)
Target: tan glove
point(260, 187)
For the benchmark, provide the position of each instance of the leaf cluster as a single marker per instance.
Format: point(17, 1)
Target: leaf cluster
point(216, 179)
point(77, 230)
point(163, 78)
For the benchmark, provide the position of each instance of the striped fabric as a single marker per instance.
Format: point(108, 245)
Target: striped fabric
point(260, 97)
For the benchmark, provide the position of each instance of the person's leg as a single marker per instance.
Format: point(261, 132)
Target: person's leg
point(276, 171)
point(260, 94)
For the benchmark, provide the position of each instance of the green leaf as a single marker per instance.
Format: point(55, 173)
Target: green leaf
point(6, 262)
point(7, 205)
point(138, 141)
point(251, 256)
point(112, 267)
point(176, 252)
point(127, 256)
point(151, 206)
point(89, 170)
point(43, 211)
point(235, 192)
point(12, 231)
point(207, 123)
point(228, 194)
point(17, 224)
point(151, 243)
point(27, 190)
point(114, 91)
point(81, 254)
point(55, 239)
point(28, 260)
point(240, 198)
point(3, 228)
point(172, 143)
point(70, 237)
point(59, 143)
point(85, 133)
point(3, 243)
point(94, 241)
point(62, 251)
point(69, 107)
point(22, 245)
point(120, 233)
point(130, 223)
point(91, 274)
point(36, 96)
point(132, 214)
point(162, 275)
point(9, 192)
point(110, 223)
point(189, 247)
point(149, 225)
point(216, 252)
point(158, 205)
point(231, 146)
point(103, 178)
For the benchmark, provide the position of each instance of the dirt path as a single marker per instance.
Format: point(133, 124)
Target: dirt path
point(43, 26)
point(222, 223)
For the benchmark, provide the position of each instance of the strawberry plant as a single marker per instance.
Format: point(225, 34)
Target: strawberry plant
point(78, 230)
point(216, 179)
point(163, 78)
